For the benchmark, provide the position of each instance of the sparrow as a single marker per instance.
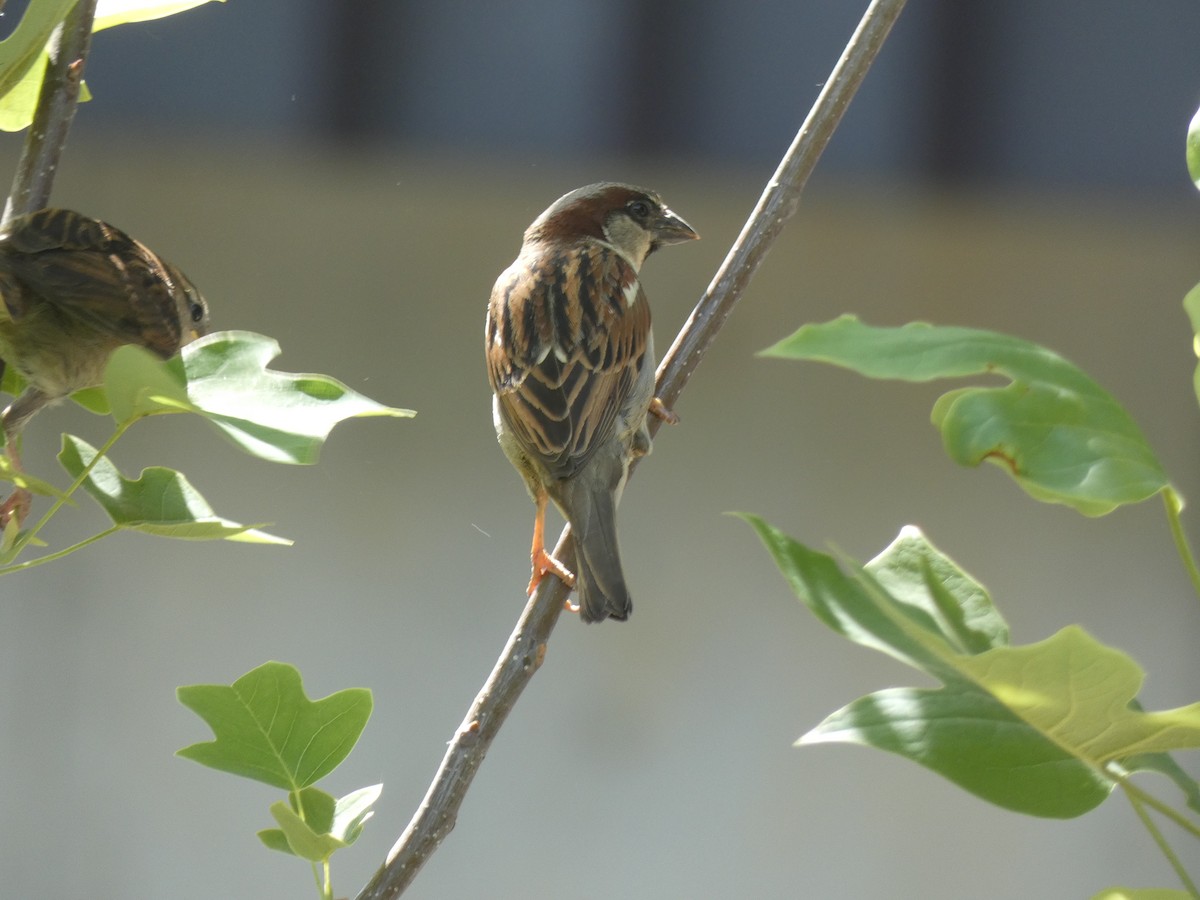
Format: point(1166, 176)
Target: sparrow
point(74, 289)
point(570, 359)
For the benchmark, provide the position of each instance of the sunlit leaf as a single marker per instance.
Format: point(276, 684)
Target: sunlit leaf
point(277, 416)
point(160, 501)
point(137, 383)
point(1032, 728)
point(312, 826)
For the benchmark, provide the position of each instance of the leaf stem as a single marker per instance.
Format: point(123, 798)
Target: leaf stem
point(59, 554)
point(24, 540)
point(321, 887)
point(526, 647)
point(1174, 504)
point(1138, 799)
point(1154, 803)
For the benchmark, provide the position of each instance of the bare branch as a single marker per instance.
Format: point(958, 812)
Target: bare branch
point(54, 114)
point(526, 646)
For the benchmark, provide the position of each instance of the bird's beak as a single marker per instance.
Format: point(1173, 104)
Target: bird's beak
point(671, 229)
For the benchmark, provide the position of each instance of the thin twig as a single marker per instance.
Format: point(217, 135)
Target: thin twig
point(1174, 505)
point(1136, 800)
point(54, 114)
point(526, 647)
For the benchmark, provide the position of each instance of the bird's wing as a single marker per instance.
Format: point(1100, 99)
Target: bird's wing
point(563, 370)
point(96, 273)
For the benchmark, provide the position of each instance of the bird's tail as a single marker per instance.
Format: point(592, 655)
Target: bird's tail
point(599, 579)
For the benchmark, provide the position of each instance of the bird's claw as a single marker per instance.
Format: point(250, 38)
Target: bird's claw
point(544, 564)
point(660, 410)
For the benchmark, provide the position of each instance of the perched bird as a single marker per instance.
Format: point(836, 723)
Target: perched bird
point(74, 289)
point(570, 359)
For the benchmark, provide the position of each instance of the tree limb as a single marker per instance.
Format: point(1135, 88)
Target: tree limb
point(55, 112)
point(526, 647)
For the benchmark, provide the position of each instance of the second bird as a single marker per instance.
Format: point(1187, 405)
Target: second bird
point(570, 359)
point(73, 289)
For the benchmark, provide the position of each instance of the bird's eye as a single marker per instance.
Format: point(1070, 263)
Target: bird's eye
point(197, 312)
point(639, 209)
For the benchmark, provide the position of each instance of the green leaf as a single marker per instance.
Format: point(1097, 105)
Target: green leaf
point(275, 839)
point(1061, 436)
point(1193, 148)
point(1079, 692)
point(302, 839)
point(352, 812)
point(323, 827)
point(268, 730)
point(1141, 894)
point(94, 400)
point(277, 416)
point(12, 382)
point(922, 578)
point(160, 501)
point(138, 383)
point(972, 740)
point(1031, 728)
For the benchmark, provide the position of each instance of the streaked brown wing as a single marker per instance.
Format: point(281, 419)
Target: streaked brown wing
point(96, 273)
point(563, 370)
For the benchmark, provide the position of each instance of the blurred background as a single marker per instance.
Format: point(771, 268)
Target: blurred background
point(349, 178)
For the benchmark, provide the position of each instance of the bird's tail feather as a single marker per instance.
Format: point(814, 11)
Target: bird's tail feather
point(599, 579)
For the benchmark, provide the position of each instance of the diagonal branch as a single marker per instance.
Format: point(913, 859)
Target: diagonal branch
point(54, 114)
point(526, 647)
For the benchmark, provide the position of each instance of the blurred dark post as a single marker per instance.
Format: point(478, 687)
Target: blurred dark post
point(359, 49)
point(961, 73)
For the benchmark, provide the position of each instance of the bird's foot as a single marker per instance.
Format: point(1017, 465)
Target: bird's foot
point(544, 564)
point(660, 410)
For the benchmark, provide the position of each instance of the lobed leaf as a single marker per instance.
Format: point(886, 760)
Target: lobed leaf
point(160, 501)
point(1031, 728)
point(277, 416)
point(1061, 436)
point(267, 729)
